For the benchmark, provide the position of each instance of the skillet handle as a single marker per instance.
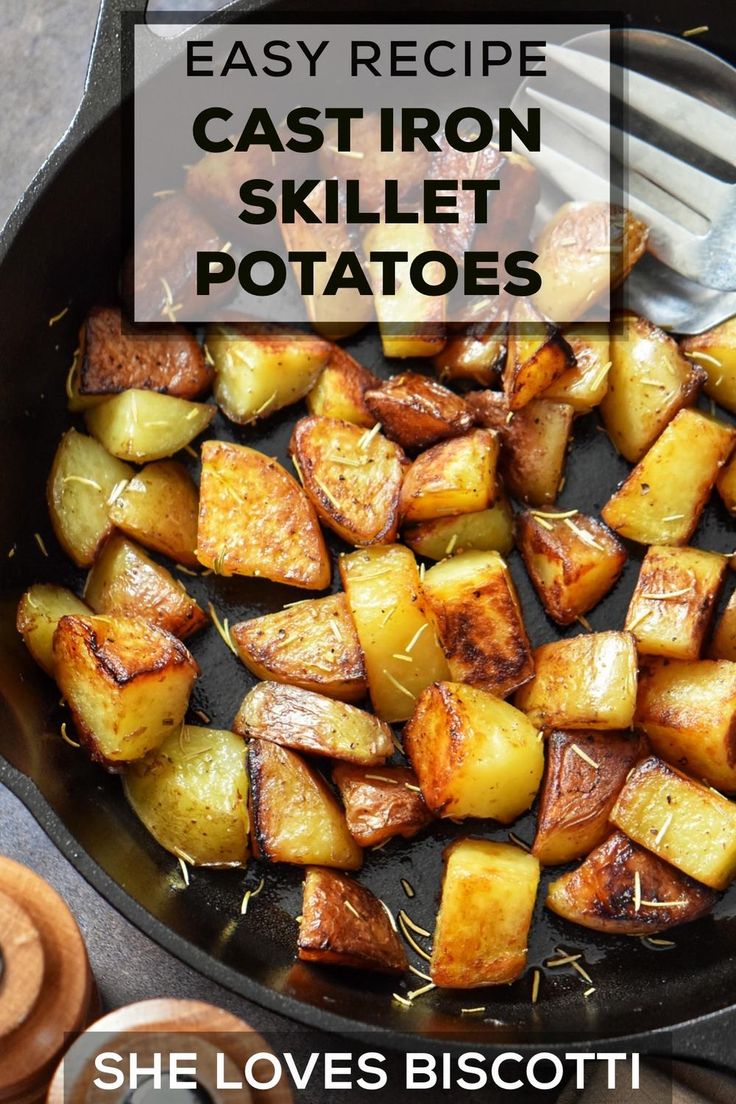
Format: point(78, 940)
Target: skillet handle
point(102, 85)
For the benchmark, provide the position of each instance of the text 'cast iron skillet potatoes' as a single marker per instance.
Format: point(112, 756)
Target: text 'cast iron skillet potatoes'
point(63, 246)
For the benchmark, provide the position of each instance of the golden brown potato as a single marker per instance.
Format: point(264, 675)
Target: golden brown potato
point(314, 724)
point(340, 390)
point(296, 817)
point(451, 164)
point(214, 181)
point(455, 477)
point(687, 824)
point(584, 385)
point(490, 530)
point(143, 425)
point(352, 477)
point(723, 641)
point(261, 369)
point(39, 611)
point(726, 485)
point(158, 507)
point(623, 890)
point(715, 352)
point(402, 654)
point(380, 804)
point(312, 644)
point(474, 755)
point(344, 924)
point(534, 443)
point(192, 795)
point(585, 251)
point(125, 582)
point(537, 355)
point(474, 605)
point(672, 605)
point(648, 382)
point(688, 711)
point(572, 560)
point(114, 359)
point(511, 209)
point(416, 411)
point(663, 497)
point(367, 162)
point(584, 773)
point(586, 681)
point(474, 352)
point(488, 895)
point(254, 519)
point(126, 682)
point(83, 478)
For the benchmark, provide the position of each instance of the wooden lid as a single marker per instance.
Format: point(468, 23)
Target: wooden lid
point(46, 986)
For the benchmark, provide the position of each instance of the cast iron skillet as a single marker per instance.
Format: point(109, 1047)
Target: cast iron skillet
point(62, 247)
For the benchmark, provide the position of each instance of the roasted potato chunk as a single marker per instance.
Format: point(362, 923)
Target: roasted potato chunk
point(374, 165)
point(726, 485)
point(715, 352)
point(82, 479)
point(192, 795)
point(511, 210)
point(537, 355)
point(402, 654)
point(126, 682)
point(534, 443)
point(585, 251)
point(623, 890)
point(474, 605)
point(689, 825)
point(474, 755)
point(585, 681)
point(490, 530)
point(141, 425)
point(260, 370)
point(648, 382)
point(688, 711)
point(381, 804)
point(488, 895)
point(723, 641)
point(583, 386)
point(158, 507)
point(344, 924)
point(352, 477)
point(113, 360)
point(125, 582)
point(296, 818)
point(584, 773)
point(340, 390)
point(312, 644)
point(416, 411)
point(39, 611)
point(314, 724)
point(455, 477)
point(662, 499)
point(476, 352)
point(672, 605)
point(254, 519)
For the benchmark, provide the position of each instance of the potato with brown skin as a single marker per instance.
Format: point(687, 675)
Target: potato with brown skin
point(340, 390)
point(488, 894)
point(254, 519)
point(723, 641)
point(296, 817)
point(573, 561)
point(380, 804)
point(473, 602)
point(114, 358)
point(586, 681)
point(126, 682)
point(457, 237)
point(648, 382)
point(40, 609)
point(352, 477)
point(584, 385)
point(687, 824)
point(158, 507)
point(537, 355)
point(454, 477)
point(367, 162)
point(344, 924)
point(214, 181)
point(142, 426)
point(490, 530)
point(663, 497)
point(584, 773)
point(715, 352)
point(313, 724)
point(474, 352)
point(672, 605)
point(612, 890)
point(511, 208)
point(312, 644)
point(125, 582)
point(416, 411)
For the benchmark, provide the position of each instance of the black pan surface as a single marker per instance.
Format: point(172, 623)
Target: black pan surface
point(63, 249)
